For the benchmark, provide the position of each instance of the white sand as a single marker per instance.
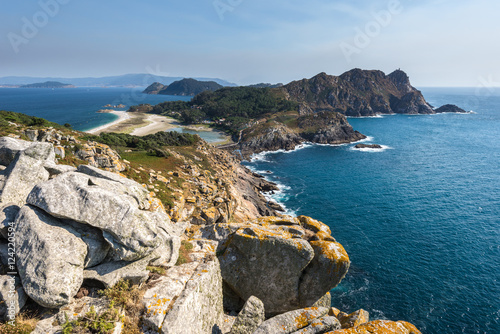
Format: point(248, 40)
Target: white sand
point(122, 116)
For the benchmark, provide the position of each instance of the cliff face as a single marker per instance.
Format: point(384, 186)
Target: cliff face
point(324, 127)
point(358, 93)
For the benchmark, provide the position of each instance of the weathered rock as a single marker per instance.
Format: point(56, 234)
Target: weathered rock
point(102, 156)
point(380, 327)
point(4, 257)
point(250, 318)
point(9, 147)
point(164, 293)
point(58, 169)
point(372, 146)
point(199, 307)
point(290, 322)
point(12, 296)
point(8, 214)
point(119, 207)
point(50, 257)
point(97, 246)
point(110, 273)
point(266, 263)
point(354, 319)
point(447, 108)
point(326, 270)
point(24, 172)
point(325, 301)
point(320, 325)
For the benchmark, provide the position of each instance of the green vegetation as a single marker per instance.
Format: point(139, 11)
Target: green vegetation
point(23, 120)
point(123, 298)
point(184, 251)
point(231, 108)
point(152, 143)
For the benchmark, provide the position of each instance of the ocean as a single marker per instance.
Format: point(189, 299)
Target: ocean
point(420, 219)
point(76, 106)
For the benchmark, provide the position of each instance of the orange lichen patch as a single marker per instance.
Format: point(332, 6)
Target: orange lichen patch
point(355, 319)
point(305, 318)
point(333, 311)
point(380, 327)
point(263, 234)
point(285, 220)
point(321, 235)
point(330, 250)
point(313, 225)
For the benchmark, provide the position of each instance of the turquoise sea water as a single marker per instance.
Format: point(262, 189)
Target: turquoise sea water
point(420, 219)
point(76, 106)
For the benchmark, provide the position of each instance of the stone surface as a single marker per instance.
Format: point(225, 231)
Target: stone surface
point(250, 318)
point(158, 299)
point(24, 172)
point(110, 273)
point(354, 319)
point(372, 146)
point(198, 309)
point(290, 322)
point(8, 213)
point(381, 327)
point(12, 296)
point(288, 263)
point(9, 147)
point(326, 270)
point(121, 208)
point(266, 263)
point(50, 257)
point(102, 156)
point(320, 325)
point(325, 301)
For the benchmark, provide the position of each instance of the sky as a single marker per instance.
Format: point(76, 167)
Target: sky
point(436, 42)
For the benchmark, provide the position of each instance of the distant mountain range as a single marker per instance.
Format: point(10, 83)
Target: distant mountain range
point(127, 80)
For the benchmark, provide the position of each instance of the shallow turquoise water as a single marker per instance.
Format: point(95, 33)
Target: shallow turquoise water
point(419, 219)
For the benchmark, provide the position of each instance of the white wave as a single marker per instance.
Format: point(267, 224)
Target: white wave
point(374, 116)
point(367, 139)
point(262, 156)
point(372, 150)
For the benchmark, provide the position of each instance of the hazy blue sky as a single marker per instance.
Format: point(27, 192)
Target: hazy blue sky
point(437, 42)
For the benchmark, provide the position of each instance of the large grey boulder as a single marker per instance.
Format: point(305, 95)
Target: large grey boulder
point(50, 257)
point(12, 296)
point(267, 264)
point(121, 208)
point(291, 322)
point(24, 172)
point(9, 147)
point(250, 318)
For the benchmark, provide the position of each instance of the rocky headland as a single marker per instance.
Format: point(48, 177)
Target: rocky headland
point(97, 239)
point(184, 87)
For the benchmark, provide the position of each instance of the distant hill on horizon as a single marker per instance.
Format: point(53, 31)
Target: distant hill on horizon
point(184, 87)
point(126, 80)
point(48, 84)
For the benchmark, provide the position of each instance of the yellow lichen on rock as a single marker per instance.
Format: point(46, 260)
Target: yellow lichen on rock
point(380, 327)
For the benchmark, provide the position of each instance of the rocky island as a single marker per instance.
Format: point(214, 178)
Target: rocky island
point(163, 234)
point(48, 84)
point(184, 87)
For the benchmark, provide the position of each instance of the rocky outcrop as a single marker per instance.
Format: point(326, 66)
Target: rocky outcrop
point(188, 299)
point(325, 127)
point(380, 327)
point(291, 322)
point(450, 108)
point(121, 208)
point(358, 93)
point(372, 146)
point(101, 156)
point(12, 296)
point(184, 87)
point(288, 263)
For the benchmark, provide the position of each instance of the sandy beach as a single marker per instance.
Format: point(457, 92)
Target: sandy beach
point(156, 123)
point(122, 116)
